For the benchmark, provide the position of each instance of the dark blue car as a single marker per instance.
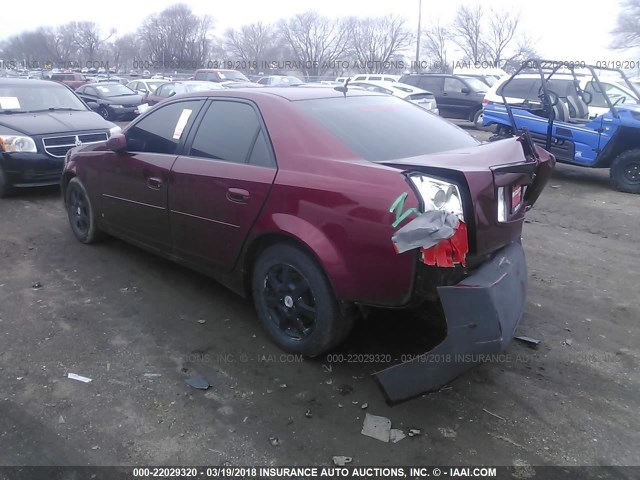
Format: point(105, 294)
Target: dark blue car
point(40, 121)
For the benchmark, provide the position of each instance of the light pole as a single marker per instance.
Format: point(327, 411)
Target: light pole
point(419, 32)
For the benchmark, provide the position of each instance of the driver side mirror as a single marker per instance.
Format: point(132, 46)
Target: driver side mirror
point(117, 143)
point(92, 105)
point(172, 94)
point(466, 90)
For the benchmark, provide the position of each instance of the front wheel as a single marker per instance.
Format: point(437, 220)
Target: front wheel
point(295, 302)
point(625, 172)
point(81, 213)
point(105, 113)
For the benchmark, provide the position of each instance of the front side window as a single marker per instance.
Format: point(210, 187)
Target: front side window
point(476, 85)
point(453, 85)
point(163, 128)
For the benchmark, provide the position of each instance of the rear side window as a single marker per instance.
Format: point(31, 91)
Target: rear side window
point(432, 84)
point(162, 129)
point(228, 132)
point(379, 128)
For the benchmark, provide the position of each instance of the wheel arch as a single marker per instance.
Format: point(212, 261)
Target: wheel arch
point(260, 243)
point(64, 183)
point(625, 139)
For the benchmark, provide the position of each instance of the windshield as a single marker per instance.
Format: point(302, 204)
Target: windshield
point(153, 85)
point(477, 85)
point(29, 97)
point(380, 128)
point(287, 81)
point(233, 75)
point(114, 90)
point(201, 87)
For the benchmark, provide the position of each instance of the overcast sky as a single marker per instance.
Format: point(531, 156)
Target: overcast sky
point(564, 30)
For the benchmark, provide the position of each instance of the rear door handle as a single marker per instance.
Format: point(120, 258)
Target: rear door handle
point(238, 195)
point(154, 183)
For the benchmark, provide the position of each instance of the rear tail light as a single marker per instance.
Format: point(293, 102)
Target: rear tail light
point(485, 102)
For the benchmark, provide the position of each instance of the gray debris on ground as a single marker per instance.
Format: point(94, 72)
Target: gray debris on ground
point(395, 435)
point(198, 382)
point(376, 427)
point(531, 342)
point(341, 461)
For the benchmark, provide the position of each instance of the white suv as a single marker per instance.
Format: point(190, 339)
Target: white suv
point(375, 77)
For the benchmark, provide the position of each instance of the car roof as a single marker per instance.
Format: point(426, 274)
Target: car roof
point(215, 70)
point(291, 94)
point(403, 87)
point(429, 75)
point(29, 81)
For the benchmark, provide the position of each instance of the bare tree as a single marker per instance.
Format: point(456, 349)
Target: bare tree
point(524, 50)
point(89, 39)
point(252, 43)
point(435, 42)
point(315, 41)
point(627, 32)
point(467, 32)
point(65, 43)
point(176, 37)
point(124, 51)
point(32, 49)
point(376, 41)
point(501, 32)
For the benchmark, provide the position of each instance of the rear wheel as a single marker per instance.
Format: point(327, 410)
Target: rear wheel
point(5, 187)
point(295, 302)
point(477, 119)
point(625, 172)
point(81, 214)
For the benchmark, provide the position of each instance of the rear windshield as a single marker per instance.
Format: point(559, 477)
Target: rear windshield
point(380, 128)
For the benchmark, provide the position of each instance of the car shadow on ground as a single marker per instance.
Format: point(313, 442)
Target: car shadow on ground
point(35, 193)
point(378, 334)
point(581, 176)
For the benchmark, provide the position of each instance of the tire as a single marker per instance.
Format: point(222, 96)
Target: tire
point(5, 188)
point(625, 172)
point(295, 302)
point(105, 113)
point(477, 120)
point(81, 213)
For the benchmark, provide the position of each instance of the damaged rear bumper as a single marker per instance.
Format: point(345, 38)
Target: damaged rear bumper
point(482, 314)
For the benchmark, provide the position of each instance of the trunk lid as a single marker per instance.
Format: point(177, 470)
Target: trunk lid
point(499, 182)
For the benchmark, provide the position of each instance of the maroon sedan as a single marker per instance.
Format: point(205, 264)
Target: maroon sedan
point(314, 202)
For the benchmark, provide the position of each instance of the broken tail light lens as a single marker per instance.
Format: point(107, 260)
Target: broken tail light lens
point(438, 195)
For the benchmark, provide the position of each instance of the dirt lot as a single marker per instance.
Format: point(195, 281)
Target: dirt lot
point(130, 321)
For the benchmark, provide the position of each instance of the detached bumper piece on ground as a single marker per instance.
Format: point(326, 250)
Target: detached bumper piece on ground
point(482, 313)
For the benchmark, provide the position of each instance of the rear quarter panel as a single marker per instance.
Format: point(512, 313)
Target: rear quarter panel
point(339, 209)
